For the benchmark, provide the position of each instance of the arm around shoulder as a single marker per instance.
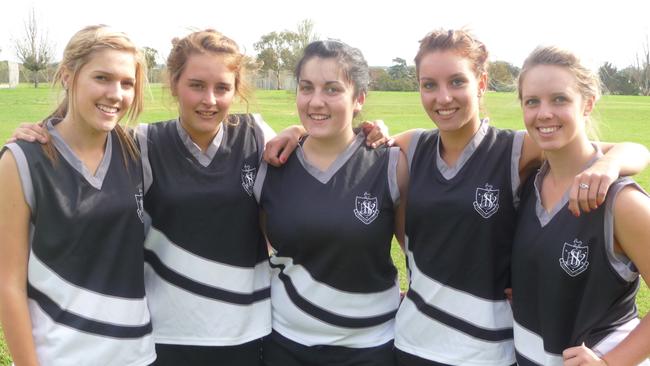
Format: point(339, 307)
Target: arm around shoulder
point(628, 157)
point(14, 236)
point(403, 140)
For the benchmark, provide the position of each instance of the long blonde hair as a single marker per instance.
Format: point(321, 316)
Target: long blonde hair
point(78, 52)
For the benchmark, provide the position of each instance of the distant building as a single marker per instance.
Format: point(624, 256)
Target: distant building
point(9, 74)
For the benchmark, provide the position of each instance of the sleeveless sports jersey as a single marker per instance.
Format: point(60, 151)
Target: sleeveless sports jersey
point(333, 281)
point(568, 284)
point(459, 227)
point(206, 274)
point(85, 285)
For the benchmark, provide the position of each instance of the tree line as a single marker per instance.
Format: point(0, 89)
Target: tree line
point(278, 52)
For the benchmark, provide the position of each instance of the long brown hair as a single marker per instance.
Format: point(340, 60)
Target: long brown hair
point(210, 41)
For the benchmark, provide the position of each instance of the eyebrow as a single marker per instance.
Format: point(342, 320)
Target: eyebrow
point(104, 72)
point(203, 82)
point(329, 82)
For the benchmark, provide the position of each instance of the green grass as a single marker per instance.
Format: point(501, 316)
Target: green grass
point(623, 118)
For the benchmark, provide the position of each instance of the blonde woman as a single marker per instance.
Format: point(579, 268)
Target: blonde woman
point(71, 218)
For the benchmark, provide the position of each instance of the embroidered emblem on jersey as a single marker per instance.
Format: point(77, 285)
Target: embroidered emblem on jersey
point(140, 207)
point(366, 208)
point(574, 258)
point(248, 178)
point(486, 202)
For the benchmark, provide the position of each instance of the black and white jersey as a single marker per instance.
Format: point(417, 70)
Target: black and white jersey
point(569, 285)
point(459, 226)
point(207, 274)
point(85, 284)
point(333, 281)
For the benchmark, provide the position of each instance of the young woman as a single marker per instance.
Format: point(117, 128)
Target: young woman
point(574, 279)
point(207, 274)
point(464, 178)
point(331, 212)
point(71, 218)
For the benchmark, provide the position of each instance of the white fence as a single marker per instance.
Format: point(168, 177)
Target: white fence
point(269, 80)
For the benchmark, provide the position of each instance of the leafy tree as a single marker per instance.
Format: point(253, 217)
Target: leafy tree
point(276, 52)
point(502, 76)
point(607, 73)
point(150, 56)
point(279, 51)
point(304, 35)
point(399, 70)
point(618, 82)
point(398, 77)
point(626, 82)
point(34, 50)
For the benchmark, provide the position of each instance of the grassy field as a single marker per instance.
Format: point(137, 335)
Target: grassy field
point(623, 118)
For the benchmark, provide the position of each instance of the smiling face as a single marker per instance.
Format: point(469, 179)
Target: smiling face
point(554, 110)
point(205, 91)
point(449, 90)
point(325, 99)
point(103, 89)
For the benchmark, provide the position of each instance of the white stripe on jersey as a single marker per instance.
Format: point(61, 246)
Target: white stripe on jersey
point(614, 338)
point(425, 337)
point(67, 346)
point(483, 313)
point(420, 335)
point(182, 317)
point(531, 346)
point(293, 323)
point(86, 303)
point(343, 303)
point(234, 279)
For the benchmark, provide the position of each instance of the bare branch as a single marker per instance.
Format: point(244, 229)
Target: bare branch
point(34, 50)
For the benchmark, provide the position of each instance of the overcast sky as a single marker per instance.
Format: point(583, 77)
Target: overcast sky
point(597, 30)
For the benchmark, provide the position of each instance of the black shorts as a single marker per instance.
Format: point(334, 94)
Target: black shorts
point(407, 359)
point(247, 354)
point(280, 351)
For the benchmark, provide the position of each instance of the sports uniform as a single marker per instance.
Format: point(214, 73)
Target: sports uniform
point(207, 274)
point(459, 226)
point(85, 285)
point(334, 291)
point(569, 285)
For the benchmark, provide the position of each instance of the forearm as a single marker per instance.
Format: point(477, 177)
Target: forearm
point(633, 349)
point(630, 158)
point(17, 327)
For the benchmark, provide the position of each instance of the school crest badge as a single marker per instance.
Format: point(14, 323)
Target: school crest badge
point(574, 258)
point(366, 208)
point(486, 202)
point(248, 178)
point(139, 205)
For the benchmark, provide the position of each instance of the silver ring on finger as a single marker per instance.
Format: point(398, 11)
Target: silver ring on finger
point(583, 186)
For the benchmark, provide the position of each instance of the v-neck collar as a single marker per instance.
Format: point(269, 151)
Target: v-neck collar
point(65, 150)
point(544, 216)
point(341, 159)
point(449, 172)
point(204, 158)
